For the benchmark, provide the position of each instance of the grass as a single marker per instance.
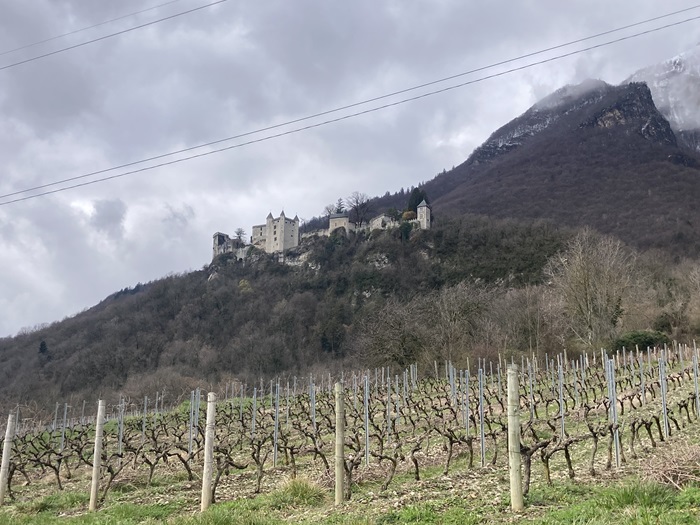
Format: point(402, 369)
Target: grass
point(119, 514)
point(623, 501)
point(630, 503)
point(430, 514)
point(60, 502)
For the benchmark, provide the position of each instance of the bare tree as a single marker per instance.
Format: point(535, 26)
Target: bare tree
point(239, 233)
point(593, 276)
point(328, 210)
point(358, 204)
point(455, 315)
point(530, 318)
point(391, 335)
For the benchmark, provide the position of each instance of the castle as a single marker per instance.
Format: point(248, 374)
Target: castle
point(281, 234)
point(276, 235)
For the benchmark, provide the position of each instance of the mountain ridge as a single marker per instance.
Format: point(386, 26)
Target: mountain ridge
point(675, 87)
point(591, 154)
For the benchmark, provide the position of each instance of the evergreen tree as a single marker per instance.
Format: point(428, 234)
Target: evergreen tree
point(415, 198)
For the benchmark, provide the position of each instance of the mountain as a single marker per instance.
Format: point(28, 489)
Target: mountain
point(590, 154)
point(675, 87)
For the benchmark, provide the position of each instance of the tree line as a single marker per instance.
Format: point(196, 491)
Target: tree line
point(472, 286)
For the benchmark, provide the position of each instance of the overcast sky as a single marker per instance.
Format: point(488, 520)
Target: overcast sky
point(237, 67)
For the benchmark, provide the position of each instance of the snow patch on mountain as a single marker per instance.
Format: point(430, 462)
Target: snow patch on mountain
point(675, 87)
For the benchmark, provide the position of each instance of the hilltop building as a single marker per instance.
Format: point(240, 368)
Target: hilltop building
point(225, 244)
point(276, 235)
point(423, 215)
point(280, 234)
point(340, 220)
point(383, 222)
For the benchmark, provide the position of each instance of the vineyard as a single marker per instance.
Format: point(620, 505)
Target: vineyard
point(579, 417)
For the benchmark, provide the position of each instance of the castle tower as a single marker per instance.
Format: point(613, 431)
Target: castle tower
point(269, 221)
point(293, 237)
point(222, 244)
point(280, 232)
point(423, 215)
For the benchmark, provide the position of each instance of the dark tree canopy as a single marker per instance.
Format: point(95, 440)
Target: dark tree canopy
point(415, 198)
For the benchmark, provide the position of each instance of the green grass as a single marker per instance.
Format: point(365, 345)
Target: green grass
point(626, 504)
point(227, 514)
point(297, 493)
point(60, 502)
point(429, 514)
point(120, 514)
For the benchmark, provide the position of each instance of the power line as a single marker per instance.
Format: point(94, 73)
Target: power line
point(88, 27)
point(315, 125)
point(105, 37)
point(353, 105)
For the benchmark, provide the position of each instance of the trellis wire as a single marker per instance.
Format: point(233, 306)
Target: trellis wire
point(642, 381)
point(664, 390)
point(366, 414)
point(561, 395)
point(612, 396)
point(531, 395)
point(190, 424)
point(255, 411)
point(481, 418)
point(143, 423)
point(63, 429)
point(388, 412)
point(276, 431)
point(695, 380)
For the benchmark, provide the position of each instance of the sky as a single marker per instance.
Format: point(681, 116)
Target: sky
point(237, 67)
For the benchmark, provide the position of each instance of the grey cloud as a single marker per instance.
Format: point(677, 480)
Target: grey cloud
point(109, 217)
point(178, 218)
point(238, 67)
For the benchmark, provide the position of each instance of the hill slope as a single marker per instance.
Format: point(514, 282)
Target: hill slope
point(591, 154)
point(260, 318)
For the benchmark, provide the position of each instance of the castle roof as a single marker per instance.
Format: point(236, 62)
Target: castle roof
point(282, 213)
point(269, 216)
point(338, 215)
point(422, 204)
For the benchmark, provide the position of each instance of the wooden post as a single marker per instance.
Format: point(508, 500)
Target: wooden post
point(209, 451)
point(6, 452)
point(339, 444)
point(97, 457)
point(516, 486)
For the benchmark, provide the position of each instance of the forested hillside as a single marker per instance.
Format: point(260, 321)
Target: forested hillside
point(262, 317)
point(587, 155)
point(471, 287)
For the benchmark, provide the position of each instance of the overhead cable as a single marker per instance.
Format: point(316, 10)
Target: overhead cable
point(105, 37)
point(322, 123)
point(75, 31)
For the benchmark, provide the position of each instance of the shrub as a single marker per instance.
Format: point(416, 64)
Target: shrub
point(641, 338)
point(663, 323)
